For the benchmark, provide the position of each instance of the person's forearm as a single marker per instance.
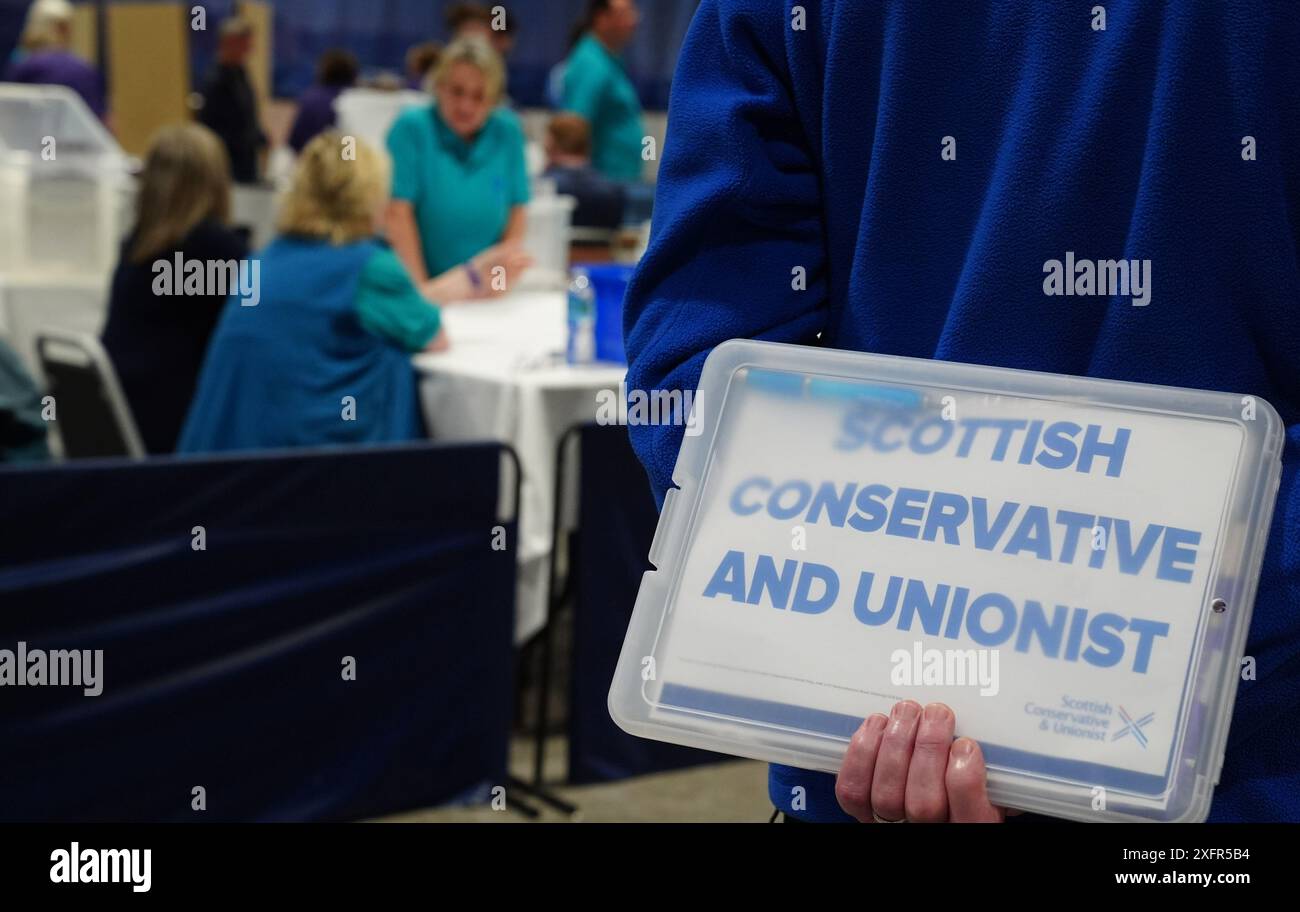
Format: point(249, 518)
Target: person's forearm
point(516, 226)
point(453, 285)
point(439, 343)
point(404, 236)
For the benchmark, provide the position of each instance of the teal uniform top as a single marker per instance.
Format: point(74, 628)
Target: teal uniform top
point(462, 192)
point(388, 304)
point(596, 85)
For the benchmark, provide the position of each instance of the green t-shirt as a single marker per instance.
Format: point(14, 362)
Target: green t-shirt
point(462, 192)
point(392, 308)
point(597, 86)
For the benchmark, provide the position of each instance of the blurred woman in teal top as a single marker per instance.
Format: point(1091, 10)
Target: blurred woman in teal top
point(460, 183)
point(322, 353)
point(597, 87)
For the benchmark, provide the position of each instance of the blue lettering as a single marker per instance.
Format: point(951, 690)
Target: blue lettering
point(1032, 535)
point(916, 599)
point(802, 491)
point(729, 578)
point(872, 511)
point(807, 576)
point(1099, 631)
point(1033, 622)
point(741, 508)
point(1147, 631)
point(1113, 452)
point(835, 504)
point(985, 536)
point(908, 505)
point(945, 434)
point(947, 513)
point(777, 586)
point(863, 612)
point(1131, 561)
point(1059, 441)
point(1179, 547)
point(975, 617)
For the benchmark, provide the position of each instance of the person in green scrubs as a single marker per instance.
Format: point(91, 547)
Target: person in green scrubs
point(597, 87)
point(460, 183)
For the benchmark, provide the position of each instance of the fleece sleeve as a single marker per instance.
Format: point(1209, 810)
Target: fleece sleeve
point(738, 246)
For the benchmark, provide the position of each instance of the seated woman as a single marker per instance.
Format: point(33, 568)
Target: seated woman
point(324, 356)
point(157, 331)
point(460, 182)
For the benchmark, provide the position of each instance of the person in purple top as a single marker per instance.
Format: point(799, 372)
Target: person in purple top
point(335, 71)
point(44, 58)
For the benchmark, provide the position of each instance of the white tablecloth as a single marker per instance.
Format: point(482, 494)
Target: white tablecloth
point(505, 379)
point(31, 302)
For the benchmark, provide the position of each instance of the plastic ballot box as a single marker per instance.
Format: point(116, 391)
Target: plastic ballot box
point(65, 182)
point(1069, 563)
point(370, 113)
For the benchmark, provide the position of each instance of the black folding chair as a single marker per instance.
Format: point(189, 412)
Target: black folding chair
point(92, 417)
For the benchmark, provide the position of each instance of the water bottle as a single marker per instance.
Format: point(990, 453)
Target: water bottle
point(582, 319)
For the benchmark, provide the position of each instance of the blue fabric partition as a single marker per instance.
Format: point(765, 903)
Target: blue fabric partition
point(617, 519)
point(223, 668)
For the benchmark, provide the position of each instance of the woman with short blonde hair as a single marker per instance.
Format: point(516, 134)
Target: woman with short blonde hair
point(339, 189)
point(477, 53)
point(460, 183)
point(324, 356)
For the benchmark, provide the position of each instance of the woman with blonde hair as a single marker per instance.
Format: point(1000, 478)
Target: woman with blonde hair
point(323, 357)
point(157, 331)
point(460, 183)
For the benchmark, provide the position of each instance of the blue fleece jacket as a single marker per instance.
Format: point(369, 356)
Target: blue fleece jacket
point(1171, 135)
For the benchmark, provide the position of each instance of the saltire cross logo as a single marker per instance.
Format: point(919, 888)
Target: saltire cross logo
point(1133, 728)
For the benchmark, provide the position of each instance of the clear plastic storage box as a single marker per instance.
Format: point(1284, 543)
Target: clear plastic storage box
point(65, 183)
point(547, 237)
point(1068, 563)
point(370, 113)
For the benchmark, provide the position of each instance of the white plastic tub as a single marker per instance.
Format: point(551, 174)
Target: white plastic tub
point(547, 239)
point(65, 183)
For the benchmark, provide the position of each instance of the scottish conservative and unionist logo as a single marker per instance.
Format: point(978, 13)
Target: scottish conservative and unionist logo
point(1134, 727)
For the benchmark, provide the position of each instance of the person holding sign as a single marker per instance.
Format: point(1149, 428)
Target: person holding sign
point(908, 767)
point(909, 179)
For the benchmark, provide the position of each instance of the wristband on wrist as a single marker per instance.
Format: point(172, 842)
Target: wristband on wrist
point(475, 277)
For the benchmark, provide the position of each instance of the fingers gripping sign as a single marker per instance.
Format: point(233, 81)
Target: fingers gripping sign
point(907, 768)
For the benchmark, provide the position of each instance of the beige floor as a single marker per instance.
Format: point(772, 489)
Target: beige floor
point(721, 793)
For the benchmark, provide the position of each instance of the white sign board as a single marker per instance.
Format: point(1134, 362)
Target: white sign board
point(1043, 554)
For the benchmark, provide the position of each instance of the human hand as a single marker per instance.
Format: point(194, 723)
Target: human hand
point(440, 342)
point(510, 257)
point(907, 767)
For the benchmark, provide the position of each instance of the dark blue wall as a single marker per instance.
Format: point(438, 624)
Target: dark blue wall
point(380, 31)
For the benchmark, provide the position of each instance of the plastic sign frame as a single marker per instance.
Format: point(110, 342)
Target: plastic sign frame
point(1120, 673)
